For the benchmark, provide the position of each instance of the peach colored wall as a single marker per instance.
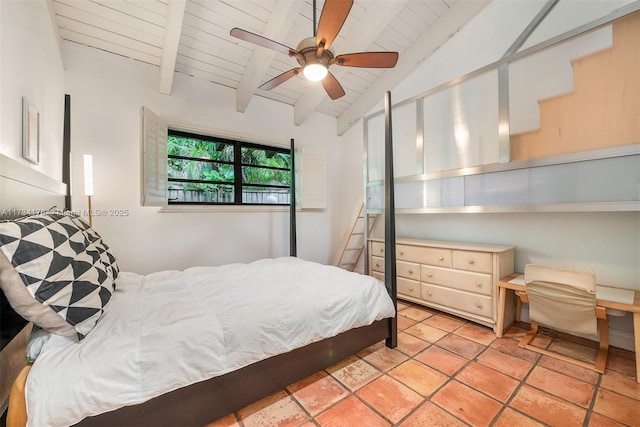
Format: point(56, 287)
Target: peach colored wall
point(603, 109)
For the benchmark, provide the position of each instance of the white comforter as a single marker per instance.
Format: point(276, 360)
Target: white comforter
point(170, 329)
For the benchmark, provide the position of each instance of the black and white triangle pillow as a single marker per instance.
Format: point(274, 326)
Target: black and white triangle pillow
point(56, 272)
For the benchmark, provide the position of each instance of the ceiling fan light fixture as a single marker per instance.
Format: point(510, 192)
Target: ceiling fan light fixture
point(315, 72)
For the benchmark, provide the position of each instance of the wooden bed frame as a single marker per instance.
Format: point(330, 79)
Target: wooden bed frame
point(209, 400)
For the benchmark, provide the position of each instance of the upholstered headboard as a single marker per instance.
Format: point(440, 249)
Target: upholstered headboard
point(23, 191)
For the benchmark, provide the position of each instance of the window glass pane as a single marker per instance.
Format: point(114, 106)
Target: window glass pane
point(265, 176)
point(188, 192)
point(202, 170)
point(265, 157)
point(185, 146)
point(199, 170)
point(265, 196)
point(461, 124)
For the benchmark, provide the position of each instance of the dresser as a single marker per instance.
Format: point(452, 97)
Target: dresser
point(457, 278)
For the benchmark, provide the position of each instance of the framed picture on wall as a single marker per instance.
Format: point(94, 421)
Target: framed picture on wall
point(30, 132)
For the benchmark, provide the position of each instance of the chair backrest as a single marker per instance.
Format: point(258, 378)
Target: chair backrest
point(562, 299)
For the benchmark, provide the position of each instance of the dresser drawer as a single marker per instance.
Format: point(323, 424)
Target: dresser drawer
point(378, 275)
point(408, 270)
point(408, 287)
point(472, 261)
point(377, 248)
point(479, 305)
point(464, 280)
point(422, 255)
point(377, 264)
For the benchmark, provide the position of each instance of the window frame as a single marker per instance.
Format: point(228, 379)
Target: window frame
point(238, 165)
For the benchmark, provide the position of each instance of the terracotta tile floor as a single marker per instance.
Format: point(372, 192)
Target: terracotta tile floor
point(450, 372)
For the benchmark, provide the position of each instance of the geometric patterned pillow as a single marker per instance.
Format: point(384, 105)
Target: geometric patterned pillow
point(56, 272)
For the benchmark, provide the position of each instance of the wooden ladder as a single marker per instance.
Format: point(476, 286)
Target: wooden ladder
point(353, 241)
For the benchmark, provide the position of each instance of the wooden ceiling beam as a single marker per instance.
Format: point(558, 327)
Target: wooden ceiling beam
point(173, 30)
point(279, 24)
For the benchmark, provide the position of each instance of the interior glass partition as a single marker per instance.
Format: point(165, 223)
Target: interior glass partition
point(451, 152)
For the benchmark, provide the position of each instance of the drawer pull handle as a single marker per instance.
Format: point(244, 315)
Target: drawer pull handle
point(470, 261)
point(410, 271)
point(401, 253)
point(428, 274)
point(381, 250)
point(478, 285)
point(411, 289)
point(377, 265)
point(429, 293)
point(441, 258)
point(478, 306)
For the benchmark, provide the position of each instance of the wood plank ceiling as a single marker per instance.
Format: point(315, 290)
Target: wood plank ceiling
point(192, 37)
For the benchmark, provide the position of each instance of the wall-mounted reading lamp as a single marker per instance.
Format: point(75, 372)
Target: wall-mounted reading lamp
point(88, 181)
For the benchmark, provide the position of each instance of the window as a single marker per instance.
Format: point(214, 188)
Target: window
point(185, 168)
point(211, 170)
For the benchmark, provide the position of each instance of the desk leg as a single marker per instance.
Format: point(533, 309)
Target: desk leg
point(636, 338)
point(501, 309)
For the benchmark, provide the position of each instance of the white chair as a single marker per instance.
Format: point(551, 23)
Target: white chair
point(564, 300)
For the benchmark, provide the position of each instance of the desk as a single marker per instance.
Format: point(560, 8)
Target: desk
point(504, 285)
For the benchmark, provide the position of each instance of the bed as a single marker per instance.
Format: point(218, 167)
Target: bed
point(141, 334)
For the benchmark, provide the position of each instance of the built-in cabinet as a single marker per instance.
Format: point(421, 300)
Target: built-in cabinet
point(458, 278)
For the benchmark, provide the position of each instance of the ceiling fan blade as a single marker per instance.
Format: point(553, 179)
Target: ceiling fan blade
point(278, 80)
point(333, 15)
point(332, 86)
point(367, 59)
point(262, 41)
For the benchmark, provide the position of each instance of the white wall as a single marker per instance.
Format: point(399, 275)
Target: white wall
point(107, 92)
point(30, 65)
point(607, 243)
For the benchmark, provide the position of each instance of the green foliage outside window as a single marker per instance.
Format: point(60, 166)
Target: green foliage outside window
point(208, 166)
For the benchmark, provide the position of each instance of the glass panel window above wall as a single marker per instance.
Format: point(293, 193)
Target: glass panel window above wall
point(461, 124)
point(407, 142)
point(375, 147)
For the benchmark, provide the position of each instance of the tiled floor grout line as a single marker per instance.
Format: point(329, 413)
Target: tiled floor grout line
point(450, 377)
point(596, 390)
point(297, 402)
point(505, 405)
point(367, 403)
point(381, 368)
point(522, 382)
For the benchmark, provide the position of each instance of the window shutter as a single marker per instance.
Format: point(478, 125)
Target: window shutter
point(153, 159)
point(313, 179)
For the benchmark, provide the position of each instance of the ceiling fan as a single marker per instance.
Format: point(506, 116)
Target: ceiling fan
point(315, 55)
